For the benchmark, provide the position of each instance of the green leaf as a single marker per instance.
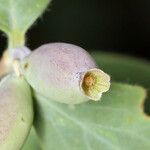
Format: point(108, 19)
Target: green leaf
point(16, 18)
point(32, 142)
point(126, 69)
point(116, 122)
point(19, 15)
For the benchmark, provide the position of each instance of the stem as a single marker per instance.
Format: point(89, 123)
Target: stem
point(15, 39)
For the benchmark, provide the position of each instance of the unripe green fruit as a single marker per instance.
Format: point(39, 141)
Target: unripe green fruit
point(16, 112)
point(65, 73)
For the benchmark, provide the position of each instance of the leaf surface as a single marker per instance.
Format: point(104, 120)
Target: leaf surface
point(19, 15)
point(116, 122)
point(127, 70)
point(124, 68)
point(32, 142)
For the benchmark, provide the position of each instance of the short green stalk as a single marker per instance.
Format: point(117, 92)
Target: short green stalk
point(16, 39)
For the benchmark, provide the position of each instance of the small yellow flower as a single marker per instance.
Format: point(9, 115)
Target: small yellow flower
point(94, 82)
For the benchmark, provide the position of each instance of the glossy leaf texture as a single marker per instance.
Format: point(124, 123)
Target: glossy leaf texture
point(117, 122)
point(19, 15)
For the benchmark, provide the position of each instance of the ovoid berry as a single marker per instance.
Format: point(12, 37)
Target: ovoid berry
point(65, 73)
point(16, 112)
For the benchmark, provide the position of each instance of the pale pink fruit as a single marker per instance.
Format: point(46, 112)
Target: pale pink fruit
point(65, 73)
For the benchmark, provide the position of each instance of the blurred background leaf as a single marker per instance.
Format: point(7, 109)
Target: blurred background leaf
point(32, 142)
point(120, 25)
point(18, 15)
point(127, 70)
